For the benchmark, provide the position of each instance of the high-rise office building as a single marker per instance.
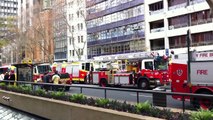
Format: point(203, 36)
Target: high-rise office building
point(115, 27)
point(167, 22)
point(8, 15)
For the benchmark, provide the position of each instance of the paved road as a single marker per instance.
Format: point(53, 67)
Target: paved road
point(127, 96)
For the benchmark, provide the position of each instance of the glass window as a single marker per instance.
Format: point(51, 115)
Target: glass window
point(149, 65)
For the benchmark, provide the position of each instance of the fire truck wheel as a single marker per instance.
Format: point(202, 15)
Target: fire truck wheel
point(143, 84)
point(203, 103)
point(103, 83)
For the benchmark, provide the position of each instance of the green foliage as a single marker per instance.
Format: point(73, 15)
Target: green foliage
point(202, 115)
point(26, 89)
point(102, 102)
point(58, 94)
point(78, 98)
point(140, 107)
point(2, 84)
point(40, 92)
point(3, 42)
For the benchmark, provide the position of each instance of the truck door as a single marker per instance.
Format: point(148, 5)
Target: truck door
point(75, 70)
point(69, 69)
point(147, 64)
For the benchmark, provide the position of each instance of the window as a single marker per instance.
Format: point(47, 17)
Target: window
point(78, 26)
point(73, 52)
point(73, 28)
point(82, 39)
point(82, 51)
point(79, 39)
point(81, 26)
point(149, 65)
point(78, 14)
point(70, 52)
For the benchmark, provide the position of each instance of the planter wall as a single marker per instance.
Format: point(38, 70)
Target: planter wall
point(61, 110)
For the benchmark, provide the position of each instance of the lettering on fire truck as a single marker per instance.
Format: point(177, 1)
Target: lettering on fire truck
point(202, 72)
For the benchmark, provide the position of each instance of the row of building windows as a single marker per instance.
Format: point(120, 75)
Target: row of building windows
point(196, 18)
point(116, 32)
point(72, 3)
point(131, 46)
point(198, 39)
point(72, 53)
point(60, 55)
point(80, 14)
point(8, 10)
point(172, 4)
point(80, 27)
point(80, 39)
point(129, 13)
point(7, 14)
point(106, 5)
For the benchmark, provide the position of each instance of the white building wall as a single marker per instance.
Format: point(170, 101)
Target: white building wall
point(72, 8)
point(172, 12)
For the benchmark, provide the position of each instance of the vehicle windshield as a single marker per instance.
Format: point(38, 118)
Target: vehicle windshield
point(161, 64)
point(43, 68)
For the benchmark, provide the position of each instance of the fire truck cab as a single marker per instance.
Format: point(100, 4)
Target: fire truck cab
point(201, 82)
point(40, 68)
point(77, 70)
point(147, 72)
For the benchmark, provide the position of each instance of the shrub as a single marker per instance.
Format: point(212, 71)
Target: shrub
point(78, 98)
point(58, 95)
point(101, 102)
point(26, 89)
point(40, 92)
point(202, 115)
point(143, 107)
point(2, 84)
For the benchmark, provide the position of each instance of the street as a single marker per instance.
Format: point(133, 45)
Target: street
point(127, 96)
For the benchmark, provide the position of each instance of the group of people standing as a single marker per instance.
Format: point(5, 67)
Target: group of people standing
point(8, 76)
point(48, 79)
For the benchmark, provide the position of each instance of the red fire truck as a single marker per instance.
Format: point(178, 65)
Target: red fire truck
point(201, 77)
point(77, 70)
point(141, 69)
point(40, 68)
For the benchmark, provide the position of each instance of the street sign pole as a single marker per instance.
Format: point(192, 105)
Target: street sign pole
point(189, 38)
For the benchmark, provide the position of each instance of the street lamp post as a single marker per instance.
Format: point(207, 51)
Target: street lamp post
point(189, 39)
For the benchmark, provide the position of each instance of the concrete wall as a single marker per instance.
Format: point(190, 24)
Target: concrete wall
point(61, 110)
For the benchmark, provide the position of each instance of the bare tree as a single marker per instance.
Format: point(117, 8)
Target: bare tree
point(68, 24)
point(36, 38)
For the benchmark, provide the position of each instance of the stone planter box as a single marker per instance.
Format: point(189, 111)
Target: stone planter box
point(62, 110)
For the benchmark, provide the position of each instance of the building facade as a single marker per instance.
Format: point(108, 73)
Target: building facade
point(60, 30)
point(35, 25)
point(8, 15)
point(167, 22)
point(76, 34)
point(115, 27)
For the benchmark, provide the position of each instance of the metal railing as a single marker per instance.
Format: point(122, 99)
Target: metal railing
point(137, 91)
